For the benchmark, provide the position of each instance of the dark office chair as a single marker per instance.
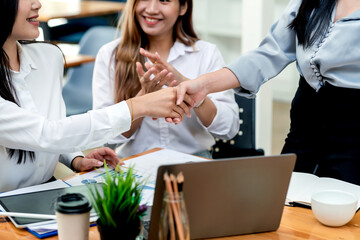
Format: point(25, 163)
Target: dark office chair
point(77, 92)
point(243, 144)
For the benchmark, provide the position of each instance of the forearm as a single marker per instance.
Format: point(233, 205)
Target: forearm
point(220, 80)
point(134, 126)
point(137, 108)
point(75, 164)
point(135, 123)
point(206, 112)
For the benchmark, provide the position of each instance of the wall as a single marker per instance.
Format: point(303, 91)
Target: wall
point(237, 26)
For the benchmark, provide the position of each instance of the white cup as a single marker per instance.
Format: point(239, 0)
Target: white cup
point(72, 216)
point(334, 208)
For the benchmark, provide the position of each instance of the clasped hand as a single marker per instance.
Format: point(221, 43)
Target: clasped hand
point(187, 90)
point(154, 78)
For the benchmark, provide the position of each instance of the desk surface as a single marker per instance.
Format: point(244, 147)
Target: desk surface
point(52, 9)
point(77, 60)
point(296, 223)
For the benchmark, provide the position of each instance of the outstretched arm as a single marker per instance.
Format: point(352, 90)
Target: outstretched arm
point(198, 88)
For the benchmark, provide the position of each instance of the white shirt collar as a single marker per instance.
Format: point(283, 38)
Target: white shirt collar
point(179, 49)
point(26, 62)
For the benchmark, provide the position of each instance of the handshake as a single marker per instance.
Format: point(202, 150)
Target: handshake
point(172, 102)
point(161, 103)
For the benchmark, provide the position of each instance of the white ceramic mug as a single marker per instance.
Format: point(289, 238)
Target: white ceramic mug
point(72, 216)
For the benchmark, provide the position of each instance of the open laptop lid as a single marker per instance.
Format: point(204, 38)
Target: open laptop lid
point(229, 196)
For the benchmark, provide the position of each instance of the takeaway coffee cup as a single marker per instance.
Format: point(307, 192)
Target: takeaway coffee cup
point(72, 216)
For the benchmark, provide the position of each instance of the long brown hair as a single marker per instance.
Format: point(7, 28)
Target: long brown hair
point(127, 83)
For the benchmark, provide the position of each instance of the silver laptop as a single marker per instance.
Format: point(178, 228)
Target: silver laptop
point(229, 196)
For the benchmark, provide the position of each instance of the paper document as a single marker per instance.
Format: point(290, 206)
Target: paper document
point(303, 185)
point(145, 168)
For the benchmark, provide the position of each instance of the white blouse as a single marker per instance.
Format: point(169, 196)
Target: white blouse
point(191, 136)
point(40, 125)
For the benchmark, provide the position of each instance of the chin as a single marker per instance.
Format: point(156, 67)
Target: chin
point(35, 36)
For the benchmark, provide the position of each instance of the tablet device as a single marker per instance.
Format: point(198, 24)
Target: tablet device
point(42, 202)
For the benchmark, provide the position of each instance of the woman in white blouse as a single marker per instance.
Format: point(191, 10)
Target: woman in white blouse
point(323, 38)
point(33, 128)
point(164, 27)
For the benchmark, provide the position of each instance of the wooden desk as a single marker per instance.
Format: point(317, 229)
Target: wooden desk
point(71, 9)
point(296, 223)
point(77, 60)
point(52, 9)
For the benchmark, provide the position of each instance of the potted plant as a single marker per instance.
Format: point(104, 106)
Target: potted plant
point(117, 204)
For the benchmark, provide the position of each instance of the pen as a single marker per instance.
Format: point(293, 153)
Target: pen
point(27, 215)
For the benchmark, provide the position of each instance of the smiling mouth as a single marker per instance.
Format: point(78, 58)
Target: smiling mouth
point(32, 19)
point(151, 20)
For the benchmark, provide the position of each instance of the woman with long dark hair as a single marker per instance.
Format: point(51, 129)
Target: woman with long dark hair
point(164, 27)
point(33, 128)
point(322, 36)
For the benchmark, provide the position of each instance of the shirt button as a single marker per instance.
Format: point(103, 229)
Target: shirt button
point(312, 66)
point(317, 74)
point(319, 78)
point(315, 70)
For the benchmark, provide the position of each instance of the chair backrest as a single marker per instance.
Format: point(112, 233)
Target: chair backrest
point(243, 144)
point(77, 91)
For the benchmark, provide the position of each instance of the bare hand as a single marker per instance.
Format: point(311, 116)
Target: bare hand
point(160, 104)
point(192, 92)
point(161, 65)
point(96, 159)
point(149, 84)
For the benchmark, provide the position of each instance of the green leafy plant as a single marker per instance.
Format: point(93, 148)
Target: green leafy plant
point(117, 203)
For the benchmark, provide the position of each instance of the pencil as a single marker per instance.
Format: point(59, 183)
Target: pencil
point(171, 222)
point(176, 192)
point(180, 181)
point(174, 208)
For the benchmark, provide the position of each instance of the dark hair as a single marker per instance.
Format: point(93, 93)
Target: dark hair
point(8, 12)
point(312, 20)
